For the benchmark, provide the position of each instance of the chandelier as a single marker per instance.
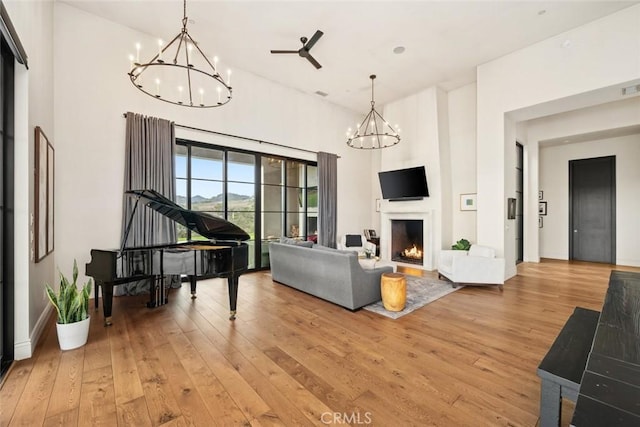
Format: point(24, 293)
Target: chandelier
point(180, 73)
point(374, 131)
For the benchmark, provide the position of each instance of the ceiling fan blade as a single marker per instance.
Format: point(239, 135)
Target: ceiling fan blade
point(284, 51)
point(313, 61)
point(313, 40)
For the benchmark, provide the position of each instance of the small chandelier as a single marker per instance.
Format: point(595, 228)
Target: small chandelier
point(374, 131)
point(180, 73)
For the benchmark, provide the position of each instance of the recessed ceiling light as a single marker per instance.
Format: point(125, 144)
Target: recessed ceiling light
point(566, 44)
point(542, 12)
point(398, 50)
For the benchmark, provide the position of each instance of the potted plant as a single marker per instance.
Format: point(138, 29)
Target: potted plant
point(461, 245)
point(72, 306)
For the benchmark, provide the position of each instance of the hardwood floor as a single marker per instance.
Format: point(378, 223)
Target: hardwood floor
point(467, 359)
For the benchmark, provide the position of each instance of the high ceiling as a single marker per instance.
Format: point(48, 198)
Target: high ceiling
point(444, 41)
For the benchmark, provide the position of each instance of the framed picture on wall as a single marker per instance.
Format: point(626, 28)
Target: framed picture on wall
point(468, 202)
point(540, 195)
point(43, 206)
point(511, 208)
point(542, 208)
point(540, 224)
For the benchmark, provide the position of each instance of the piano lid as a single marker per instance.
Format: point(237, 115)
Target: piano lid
point(202, 223)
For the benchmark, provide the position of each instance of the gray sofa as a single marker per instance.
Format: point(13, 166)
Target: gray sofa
point(326, 273)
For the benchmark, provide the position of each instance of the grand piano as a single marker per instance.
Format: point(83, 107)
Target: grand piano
point(224, 255)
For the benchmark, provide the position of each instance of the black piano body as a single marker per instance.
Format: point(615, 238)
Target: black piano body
point(227, 256)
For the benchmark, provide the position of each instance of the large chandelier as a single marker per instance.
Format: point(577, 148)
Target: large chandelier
point(374, 131)
point(180, 73)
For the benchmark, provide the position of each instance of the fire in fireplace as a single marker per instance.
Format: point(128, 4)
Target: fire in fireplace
point(412, 252)
point(406, 241)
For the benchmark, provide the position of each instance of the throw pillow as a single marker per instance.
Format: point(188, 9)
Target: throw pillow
point(352, 240)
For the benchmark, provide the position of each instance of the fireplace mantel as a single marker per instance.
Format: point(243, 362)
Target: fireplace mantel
point(385, 233)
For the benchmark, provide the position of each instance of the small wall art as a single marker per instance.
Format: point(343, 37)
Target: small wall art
point(542, 208)
point(511, 208)
point(468, 202)
point(540, 195)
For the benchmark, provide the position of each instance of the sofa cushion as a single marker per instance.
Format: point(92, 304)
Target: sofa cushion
point(353, 240)
point(296, 242)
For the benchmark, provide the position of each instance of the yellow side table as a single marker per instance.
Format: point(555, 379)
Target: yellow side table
point(393, 287)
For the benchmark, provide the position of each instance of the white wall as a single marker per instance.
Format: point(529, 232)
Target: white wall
point(462, 136)
point(538, 74)
point(33, 22)
point(554, 180)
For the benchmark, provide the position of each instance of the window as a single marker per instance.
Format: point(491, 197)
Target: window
point(267, 196)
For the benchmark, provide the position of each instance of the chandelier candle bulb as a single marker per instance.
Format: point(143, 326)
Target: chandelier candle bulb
point(229, 77)
point(160, 43)
point(219, 94)
point(158, 88)
point(180, 97)
point(201, 97)
point(131, 58)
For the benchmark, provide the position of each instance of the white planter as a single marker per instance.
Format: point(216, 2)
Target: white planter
point(73, 335)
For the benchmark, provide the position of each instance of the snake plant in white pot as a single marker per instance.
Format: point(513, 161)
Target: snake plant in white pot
point(72, 307)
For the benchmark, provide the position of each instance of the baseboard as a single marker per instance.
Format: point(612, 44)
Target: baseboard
point(25, 349)
point(628, 262)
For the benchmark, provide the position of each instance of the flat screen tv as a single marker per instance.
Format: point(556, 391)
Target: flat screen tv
point(404, 184)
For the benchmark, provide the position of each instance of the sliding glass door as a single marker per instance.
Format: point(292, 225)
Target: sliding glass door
point(267, 196)
point(6, 207)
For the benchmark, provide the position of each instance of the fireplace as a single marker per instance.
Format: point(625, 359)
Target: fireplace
point(407, 236)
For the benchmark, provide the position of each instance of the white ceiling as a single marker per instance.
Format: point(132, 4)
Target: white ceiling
point(444, 40)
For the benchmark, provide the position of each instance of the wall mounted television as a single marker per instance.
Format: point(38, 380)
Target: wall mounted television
point(404, 184)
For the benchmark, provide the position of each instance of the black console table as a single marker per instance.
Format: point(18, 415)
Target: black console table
point(610, 387)
point(595, 361)
point(561, 369)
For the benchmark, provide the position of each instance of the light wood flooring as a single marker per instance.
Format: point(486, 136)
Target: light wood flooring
point(468, 359)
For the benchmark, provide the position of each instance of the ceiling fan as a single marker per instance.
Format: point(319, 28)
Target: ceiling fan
point(307, 44)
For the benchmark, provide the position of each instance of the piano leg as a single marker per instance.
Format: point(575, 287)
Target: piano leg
point(107, 300)
point(233, 294)
point(192, 281)
point(96, 288)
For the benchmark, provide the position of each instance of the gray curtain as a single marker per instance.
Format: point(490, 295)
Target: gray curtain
point(149, 165)
point(327, 195)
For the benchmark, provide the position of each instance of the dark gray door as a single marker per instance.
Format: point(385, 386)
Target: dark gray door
point(592, 209)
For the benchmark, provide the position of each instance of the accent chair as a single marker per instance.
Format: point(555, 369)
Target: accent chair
point(478, 266)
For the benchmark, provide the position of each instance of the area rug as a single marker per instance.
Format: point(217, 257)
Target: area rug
point(420, 292)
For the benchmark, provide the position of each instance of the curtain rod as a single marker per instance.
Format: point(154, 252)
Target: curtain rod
point(259, 141)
